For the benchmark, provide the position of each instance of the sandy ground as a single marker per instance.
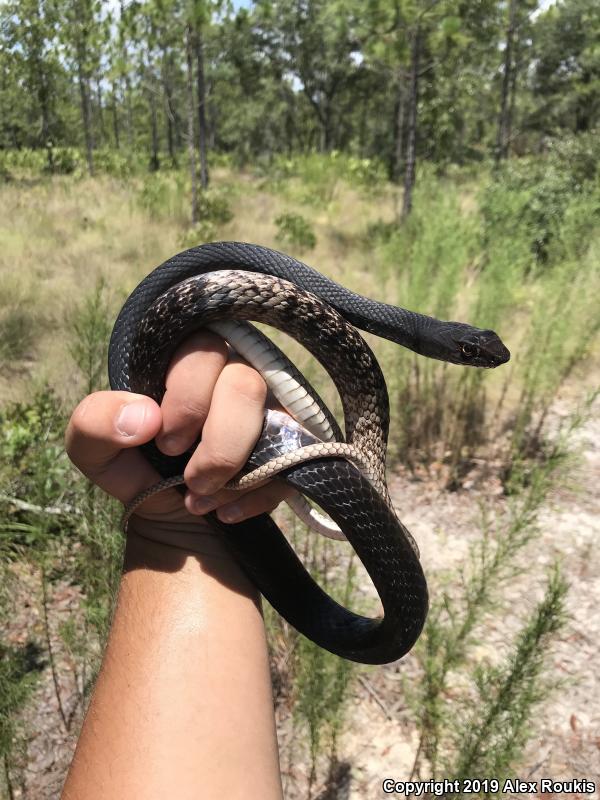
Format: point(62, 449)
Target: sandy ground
point(565, 743)
point(380, 739)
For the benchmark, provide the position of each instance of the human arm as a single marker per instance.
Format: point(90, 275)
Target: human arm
point(182, 707)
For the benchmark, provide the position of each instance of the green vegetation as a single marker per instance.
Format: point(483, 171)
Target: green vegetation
point(465, 252)
point(441, 156)
point(482, 730)
point(381, 85)
point(294, 230)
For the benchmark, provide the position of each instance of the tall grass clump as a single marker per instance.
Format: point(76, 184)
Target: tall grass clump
point(165, 195)
point(543, 243)
point(426, 265)
point(20, 323)
point(90, 326)
point(473, 715)
point(214, 210)
point(497, 262)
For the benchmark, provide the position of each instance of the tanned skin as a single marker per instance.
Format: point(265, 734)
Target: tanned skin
point(183, 705)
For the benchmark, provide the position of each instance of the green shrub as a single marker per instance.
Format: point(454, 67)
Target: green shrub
point(65, 160)
point(480, 725)
point(213, 206)
point(528, 197)
point(155, 195)
point(202, 232)
point(167, 196)
point(72, 161)
point(295, 230)
point(91, 324)
point(34, 464)
point(379, 232)
point(313, 178)
point(24, 159)
point(118, 163)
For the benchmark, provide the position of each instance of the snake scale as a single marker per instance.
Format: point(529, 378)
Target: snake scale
point(244, 281)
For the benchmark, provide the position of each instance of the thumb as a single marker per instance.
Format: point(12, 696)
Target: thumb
point(106, 423)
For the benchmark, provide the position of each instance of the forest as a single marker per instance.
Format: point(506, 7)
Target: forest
point(441, 155)
point(166, 82)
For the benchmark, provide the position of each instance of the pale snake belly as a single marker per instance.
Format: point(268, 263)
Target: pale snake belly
point(347, 479)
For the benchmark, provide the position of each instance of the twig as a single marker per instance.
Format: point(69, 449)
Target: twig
point(50, 652)
point(7, 779)
point(365, 683)
point(54, 510)
point(417, 757)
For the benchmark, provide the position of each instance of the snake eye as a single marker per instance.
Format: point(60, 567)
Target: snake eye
point(469, 350)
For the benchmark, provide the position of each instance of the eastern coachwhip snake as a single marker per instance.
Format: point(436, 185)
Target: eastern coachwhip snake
point(191, 289)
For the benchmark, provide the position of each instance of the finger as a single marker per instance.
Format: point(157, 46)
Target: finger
point(190, 381)
point(235, 506)
point(100, 436)
point(231, 430)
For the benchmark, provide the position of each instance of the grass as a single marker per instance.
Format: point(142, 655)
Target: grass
point(72, 248)
point(59, 234)
point(60, 237)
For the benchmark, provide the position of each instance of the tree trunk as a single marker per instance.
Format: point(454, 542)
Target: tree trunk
point(126, 83)
point(411, 143)
point(169, 113)
point(504, 121)
point(170, 134)
point(84, 93)
point(190, 117)
point(327, 138)
point(398, 154)
point(115, 117)
point(100, 111)
point(201, 88)
point(289, 122)
point(43, 97)
point(125, 79)
point(362, 131)
point(513, 93)
point(43, 92)
point(154, 157)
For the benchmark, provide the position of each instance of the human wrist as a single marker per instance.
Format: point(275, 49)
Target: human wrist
point(170, 536)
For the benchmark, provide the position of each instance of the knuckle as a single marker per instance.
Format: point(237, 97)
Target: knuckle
point(193, 408)
point(205, 341)
point(248, 383)
point(221, 462)
point(211, 471)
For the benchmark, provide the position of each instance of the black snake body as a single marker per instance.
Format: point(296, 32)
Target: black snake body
point(175, 299)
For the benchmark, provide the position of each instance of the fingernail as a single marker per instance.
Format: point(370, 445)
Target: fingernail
point(202, 505)
point(131, 418)
point(230, 513)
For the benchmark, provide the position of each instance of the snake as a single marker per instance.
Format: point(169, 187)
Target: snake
point(242, 281)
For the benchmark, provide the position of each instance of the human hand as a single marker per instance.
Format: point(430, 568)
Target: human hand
point(207, 391)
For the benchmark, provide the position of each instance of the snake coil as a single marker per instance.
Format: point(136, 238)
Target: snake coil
point(243, 281)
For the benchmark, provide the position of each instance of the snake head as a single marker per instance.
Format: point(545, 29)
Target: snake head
point(477, 348)
point(463, 344)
